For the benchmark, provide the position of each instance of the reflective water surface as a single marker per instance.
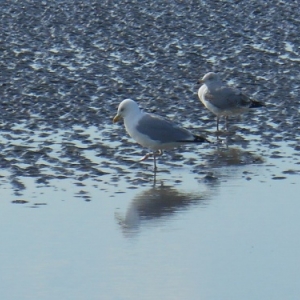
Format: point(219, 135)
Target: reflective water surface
point(231, 239)
point(81, 218)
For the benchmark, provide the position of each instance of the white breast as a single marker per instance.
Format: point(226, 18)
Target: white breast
point(201, 94)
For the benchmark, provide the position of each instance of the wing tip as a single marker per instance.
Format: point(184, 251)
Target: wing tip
point(200, 139)
point(255, 103)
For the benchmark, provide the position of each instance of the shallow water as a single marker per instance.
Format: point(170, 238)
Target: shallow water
point(81, 217)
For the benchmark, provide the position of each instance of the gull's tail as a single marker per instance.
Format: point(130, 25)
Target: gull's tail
point(195, 139)
point(255, 104)
point(200, 139)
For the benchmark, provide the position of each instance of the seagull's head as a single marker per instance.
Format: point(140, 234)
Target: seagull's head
point(210, 79)
point(126, 109)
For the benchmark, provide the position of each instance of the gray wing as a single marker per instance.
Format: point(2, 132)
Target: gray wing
point(162, 130)
point(227, 98)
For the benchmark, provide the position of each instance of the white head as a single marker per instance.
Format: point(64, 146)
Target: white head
point(127, 109)
point(211, 80)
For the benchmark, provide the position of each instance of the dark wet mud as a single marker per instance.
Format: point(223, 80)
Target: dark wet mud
point(66, 65)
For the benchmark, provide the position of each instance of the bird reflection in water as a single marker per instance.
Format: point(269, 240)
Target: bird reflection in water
point(227, 155)
point(234, 157)
point(157, 203)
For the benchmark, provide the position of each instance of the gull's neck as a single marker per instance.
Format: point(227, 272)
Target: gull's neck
point(132, 118)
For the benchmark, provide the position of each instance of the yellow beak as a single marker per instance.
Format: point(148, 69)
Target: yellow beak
point(117, 118)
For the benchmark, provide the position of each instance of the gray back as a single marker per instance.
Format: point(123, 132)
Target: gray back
point(162, 130)
point(225, 97)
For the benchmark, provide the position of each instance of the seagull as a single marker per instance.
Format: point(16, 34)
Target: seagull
point(152, 131)
point(223, 100)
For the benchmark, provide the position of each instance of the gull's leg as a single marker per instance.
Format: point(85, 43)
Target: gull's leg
point(142, 159)
point(155, 154)
point(146, 156)
point(226, 122)
point(154, 179)
point(154, 162)
point(218, 119)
